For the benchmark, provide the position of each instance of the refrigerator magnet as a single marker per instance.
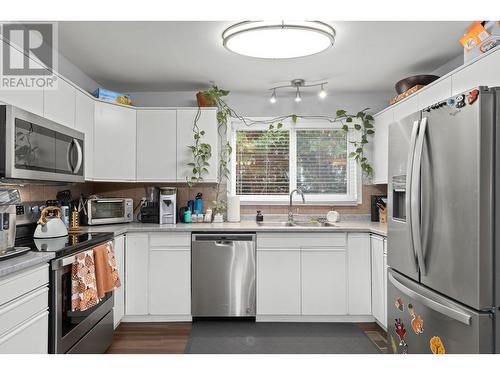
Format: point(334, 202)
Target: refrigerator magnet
point(436, 345)
point(473, 96)
point(400, 330)
point(417, 323)
point(399, 304)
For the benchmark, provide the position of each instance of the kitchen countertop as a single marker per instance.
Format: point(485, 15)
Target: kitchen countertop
point(17, 263)
point(29, 259)
point(244, 226)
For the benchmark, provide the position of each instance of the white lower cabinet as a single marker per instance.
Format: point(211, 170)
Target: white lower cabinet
point(170, 281)
point(119, 294)
point(378, 282)
point(24, 322)
point(320, 276)
point(385, 266)
point(136, 274)
point(324, 282)
point(158, 276)
point(359, 274)
point(278, 282)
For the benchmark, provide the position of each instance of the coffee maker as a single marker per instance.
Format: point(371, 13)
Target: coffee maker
point(8, 200)
point(150, 211)
point(168, 210)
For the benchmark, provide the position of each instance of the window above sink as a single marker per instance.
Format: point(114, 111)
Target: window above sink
point(311, 155)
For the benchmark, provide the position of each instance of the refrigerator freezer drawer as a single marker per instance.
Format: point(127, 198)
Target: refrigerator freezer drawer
point(422, 321)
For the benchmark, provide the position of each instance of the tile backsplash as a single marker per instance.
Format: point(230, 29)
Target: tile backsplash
point(138, 190)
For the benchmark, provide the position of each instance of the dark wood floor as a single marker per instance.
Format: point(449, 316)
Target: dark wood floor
point(150, 338)
point(171, 338)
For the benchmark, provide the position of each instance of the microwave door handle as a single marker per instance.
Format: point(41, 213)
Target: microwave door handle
point(79, 154)
point(69, 157)
point(409, 178)
point(415, 196)
point(443, 308)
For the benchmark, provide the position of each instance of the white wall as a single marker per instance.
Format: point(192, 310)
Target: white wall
point(257, 104)
point(74, 74)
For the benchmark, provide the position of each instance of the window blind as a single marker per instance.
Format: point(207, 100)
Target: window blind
point(322, 161)
point(262, 162)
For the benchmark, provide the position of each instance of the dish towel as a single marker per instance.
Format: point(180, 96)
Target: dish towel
point(106, 272)
point(83, 282)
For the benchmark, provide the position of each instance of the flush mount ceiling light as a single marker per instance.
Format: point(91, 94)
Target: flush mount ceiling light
point(298, 84)
point(278, 39)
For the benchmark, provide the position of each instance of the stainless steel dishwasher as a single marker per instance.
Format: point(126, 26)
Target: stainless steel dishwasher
point(223, 275)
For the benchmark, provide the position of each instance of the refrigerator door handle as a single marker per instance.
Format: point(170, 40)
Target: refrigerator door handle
point(409, 179)
point(442, 308)
point(415, 197)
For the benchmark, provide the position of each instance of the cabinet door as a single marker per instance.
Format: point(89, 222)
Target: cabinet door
point(377, 244)
point(59, 103)
point(119, 294)
point(30, 337)
point(359, 274)
point(136, 274)
point(84, 122)
point(434, 93)
point(114, 142)
point(156, 145)
point(208, 123)
point(170, 282)
point(406, 107)
point(29, 99)
point(381, 146)
point(324, 283)
point(483, 72)
point(278, 282)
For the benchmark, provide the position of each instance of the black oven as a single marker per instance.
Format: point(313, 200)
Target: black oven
point(88, 331)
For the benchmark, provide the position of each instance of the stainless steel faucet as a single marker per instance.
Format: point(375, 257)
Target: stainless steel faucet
point(290, 207)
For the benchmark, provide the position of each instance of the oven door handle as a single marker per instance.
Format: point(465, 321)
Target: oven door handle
point(61, 263)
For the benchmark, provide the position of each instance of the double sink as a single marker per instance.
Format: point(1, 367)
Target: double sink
point(282, 224)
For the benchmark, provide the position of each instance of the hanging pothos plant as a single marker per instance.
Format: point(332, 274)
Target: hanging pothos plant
point(361, 122)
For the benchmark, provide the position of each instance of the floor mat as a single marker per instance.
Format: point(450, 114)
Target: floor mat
point(233, 337)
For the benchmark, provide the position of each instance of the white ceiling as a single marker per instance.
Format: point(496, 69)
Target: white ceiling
point(185, 56)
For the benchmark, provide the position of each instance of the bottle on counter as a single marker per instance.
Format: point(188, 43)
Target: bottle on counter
point(198, 204)
point(259, 216)
point(187, 215)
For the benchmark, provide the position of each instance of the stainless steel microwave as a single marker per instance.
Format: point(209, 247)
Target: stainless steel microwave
point(108, 211)
point(35, 148)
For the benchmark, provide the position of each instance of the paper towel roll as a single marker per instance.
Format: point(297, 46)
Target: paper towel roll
point(233, 208)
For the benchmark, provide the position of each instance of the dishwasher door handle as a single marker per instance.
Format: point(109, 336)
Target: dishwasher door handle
point(223, 243)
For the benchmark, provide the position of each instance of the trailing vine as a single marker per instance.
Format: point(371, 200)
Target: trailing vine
point(202, 152)
point(361, 122)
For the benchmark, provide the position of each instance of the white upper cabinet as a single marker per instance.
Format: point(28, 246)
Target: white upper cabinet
point(59, 103)
point(381, 146)
point(29, 99)
point(156, 145)
point(185, 123)
point(406, 108)
point(84, 122)
point(114, 142)
point(483, 72)
point(436, 92)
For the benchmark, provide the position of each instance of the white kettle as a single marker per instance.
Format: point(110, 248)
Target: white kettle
point(52, 226)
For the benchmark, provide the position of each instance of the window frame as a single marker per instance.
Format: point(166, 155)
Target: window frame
point(354, 178)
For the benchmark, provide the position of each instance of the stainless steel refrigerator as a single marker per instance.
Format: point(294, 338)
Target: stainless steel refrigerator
point(442, 288)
